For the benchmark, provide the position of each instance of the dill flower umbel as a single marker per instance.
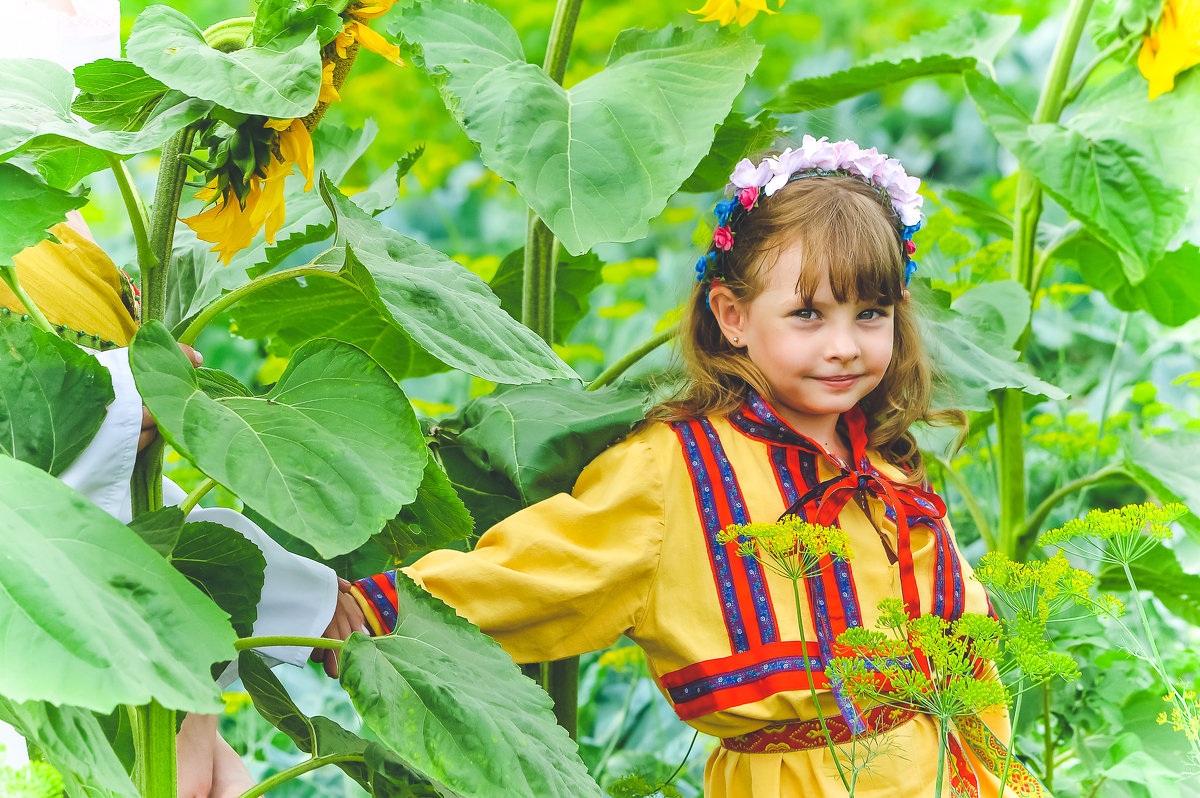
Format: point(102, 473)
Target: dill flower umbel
point(790, 547)
point(1117, 536)
point(1043, 587)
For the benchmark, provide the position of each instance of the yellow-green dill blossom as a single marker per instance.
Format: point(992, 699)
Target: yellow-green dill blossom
point(1117, 536)
point(790, 547)
point(1043, 587)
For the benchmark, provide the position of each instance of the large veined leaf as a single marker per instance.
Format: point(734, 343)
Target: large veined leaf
point(330, 453)
point(282, 24)
point(455, 709)
point(970, 343)
point(128, 629)
point(288, 314)
point(736, 138)
point(541, 436)
point(580, 156)
point(321, 736)
point(74, 742)
point(28, 208)
point(970, 41)
point(52, 397)
point(36, 97)
point(574, 280)
point(254, 80)
point(114, 91)
point(442, 306)
point(1106, 183)
point(1167, 466)
point(1169, 291)
point(436, 519)
point(226, 566)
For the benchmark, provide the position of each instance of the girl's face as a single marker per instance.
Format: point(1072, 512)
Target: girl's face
point(820, 357)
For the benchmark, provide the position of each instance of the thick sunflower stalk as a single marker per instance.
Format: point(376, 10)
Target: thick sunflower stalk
point(240, 203)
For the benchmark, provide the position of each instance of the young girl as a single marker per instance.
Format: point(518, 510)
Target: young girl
point(806, 371)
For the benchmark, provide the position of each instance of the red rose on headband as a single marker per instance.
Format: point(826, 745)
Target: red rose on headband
point(723, 238)
point(910, 247)
point(748, 196)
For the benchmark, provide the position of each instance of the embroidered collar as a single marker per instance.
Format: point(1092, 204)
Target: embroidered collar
point(757, 419)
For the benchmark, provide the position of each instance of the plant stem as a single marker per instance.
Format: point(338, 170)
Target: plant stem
point(8, 273)
point(266, 641)
point(1027, 212)
point(682, 762)
point(561, 678)
point(1038, 517)
point(135, 207)
point(1110, 380)
point(1012, 740)
point(172, 172)
point(230, 34)
point(298, 770)
point(611, 373)
point(155, 744)
point(620, 726)
point(1048, 738)
point(225, 301)
point(195, 496)
point(1081, 79)
point(942, 745)
point(812, 690)
point(1159, 665)
point(973, 506)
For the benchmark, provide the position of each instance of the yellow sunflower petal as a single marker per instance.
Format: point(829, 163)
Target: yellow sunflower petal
point(1172, 47)
point(345, 38)
point(329, 93)
point(226, 226)
point(376, 43)
point(270, 210)
point(296, 147)
point(373, 9)
point(278, 124)
point(720, 11)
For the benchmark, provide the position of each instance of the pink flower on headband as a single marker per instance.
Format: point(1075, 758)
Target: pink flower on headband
point(746, 174)
point(866, 162)
point(910, 247)
point(748, 196)
point(723, 238)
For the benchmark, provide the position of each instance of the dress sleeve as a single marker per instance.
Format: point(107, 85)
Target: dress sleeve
point(561, 577)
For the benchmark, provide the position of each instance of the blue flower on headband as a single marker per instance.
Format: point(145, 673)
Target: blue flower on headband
point(909, 230)
point(723, 210)
point(910, 269)
point(702, 265)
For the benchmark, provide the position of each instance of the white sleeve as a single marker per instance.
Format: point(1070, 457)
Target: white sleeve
point(298, 596)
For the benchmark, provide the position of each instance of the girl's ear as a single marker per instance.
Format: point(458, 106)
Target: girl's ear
point(729, 311)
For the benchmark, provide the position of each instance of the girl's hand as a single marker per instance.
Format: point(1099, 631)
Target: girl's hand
point(149, 428)
point(347, 618)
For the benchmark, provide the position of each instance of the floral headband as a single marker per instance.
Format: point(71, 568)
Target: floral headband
point(815, 157)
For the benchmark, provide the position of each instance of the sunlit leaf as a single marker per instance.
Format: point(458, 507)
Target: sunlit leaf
point(330, 453)
point(254, 80)
point(1103, 182)
point(453, 707)
point(972, 348)
point(74, 742)
point(434, 520)
point(970, 41)
point(1167, 466)
point(28, 208)
point(36, 97)
point(540, 436)
point(577, 156)
point(442, 306)
point(52, 397)
point(130, 628)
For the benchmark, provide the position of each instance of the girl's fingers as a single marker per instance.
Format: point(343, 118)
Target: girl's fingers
point(192, 355)
point(149, 429)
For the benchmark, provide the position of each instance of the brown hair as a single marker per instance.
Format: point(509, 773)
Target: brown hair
point(851, 233)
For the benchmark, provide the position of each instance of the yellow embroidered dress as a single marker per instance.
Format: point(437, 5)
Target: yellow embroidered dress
point(633, 551)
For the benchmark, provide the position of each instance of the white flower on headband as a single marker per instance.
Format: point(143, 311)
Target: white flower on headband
point(821, 154)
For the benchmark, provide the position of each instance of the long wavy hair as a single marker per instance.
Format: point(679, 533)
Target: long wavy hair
point(848, 231)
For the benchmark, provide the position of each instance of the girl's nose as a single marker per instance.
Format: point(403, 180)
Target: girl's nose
point(842, 344)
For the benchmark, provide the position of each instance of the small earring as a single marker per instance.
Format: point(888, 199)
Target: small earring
point(735, 340)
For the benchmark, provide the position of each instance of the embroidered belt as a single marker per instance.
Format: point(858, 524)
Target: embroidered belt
point(803, 735)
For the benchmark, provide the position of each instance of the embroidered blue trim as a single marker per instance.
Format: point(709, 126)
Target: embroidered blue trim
point(702, 485)
point(737, 507)
point(707, 685)
point(387, 612)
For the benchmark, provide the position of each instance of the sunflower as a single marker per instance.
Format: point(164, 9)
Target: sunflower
point(726, 11)
point(1172, 47)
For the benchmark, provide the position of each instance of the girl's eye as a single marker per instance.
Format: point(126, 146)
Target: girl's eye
point(872, 314)
point(805, 313)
